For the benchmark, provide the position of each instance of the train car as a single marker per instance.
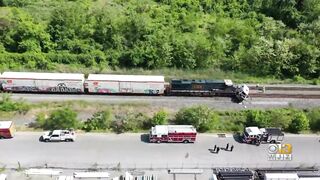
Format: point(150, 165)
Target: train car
point(201, 87)
point(124, 84)
point(207, 88)
point(42, 82)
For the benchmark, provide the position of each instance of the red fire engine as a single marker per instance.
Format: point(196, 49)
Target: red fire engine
point(173, 133)
point(7, 129)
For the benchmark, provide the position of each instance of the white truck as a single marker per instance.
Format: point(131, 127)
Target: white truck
point(254, 135)
point(58, 135)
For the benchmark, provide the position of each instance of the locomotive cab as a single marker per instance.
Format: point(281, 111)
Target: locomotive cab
point(242, 92)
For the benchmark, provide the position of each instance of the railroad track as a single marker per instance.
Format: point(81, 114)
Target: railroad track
point(298, 96)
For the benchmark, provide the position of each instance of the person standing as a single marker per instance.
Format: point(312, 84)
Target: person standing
point(227, 147)
point(231, 148)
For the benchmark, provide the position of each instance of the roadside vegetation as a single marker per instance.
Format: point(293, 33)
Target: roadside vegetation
point(8, 105)
point(202, 117)
point(273, 40)
point(135, 117)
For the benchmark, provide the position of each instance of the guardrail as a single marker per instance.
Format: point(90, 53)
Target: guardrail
point(64, 178)
point(185, 171)
point(50, 172)
point(91, 174)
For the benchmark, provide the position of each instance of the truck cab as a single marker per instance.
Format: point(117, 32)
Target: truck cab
point(254, 135)
point(58, 135)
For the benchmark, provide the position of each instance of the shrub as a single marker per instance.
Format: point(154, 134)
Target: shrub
point(59, 119)
point(6, 104)
point(129, 121)
point(201, 117)
point(270, 118)
point(100, 121)
point(299, 122)
point(159, 118)
point(314, 118)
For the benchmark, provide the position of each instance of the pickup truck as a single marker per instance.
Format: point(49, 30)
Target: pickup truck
point(58, 135)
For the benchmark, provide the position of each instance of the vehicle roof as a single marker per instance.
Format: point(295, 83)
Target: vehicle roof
point(282, 175)
point(276, 131)
point(165, 129)
point(35, 75)
point(253, 130)
point(227, 82)
point(59, 131)
point(5, 124)
point(125, 78)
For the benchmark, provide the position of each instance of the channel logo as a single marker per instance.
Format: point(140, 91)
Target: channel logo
point(280, 152)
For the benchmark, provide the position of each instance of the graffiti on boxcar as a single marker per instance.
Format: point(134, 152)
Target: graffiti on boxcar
point(23, 88)
point(62, 87)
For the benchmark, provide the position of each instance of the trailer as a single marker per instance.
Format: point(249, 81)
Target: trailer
point(42, 82)
point(254, 135)
point(124, 84)
point(173, 133)
point(7, 129)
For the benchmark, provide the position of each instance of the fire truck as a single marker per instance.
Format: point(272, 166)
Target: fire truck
point(7, 129)
point(173, 133)
point(254, 135)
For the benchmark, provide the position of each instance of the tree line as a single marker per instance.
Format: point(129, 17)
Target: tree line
point(259, 37)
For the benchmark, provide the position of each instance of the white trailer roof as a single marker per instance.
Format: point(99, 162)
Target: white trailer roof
point(165, 129)
point(277, 176)
point(125, 78)
point(5, 124)
point(253, 130)
point(33, 75)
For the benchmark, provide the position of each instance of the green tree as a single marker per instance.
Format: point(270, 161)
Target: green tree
point(314, 118)
point(25, 35)
point(299, 122)
point(159, 118)
point(59, 119)
point(100, 121)
point(201, 117)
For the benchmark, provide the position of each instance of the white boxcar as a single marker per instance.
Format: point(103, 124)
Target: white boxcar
point(135, 84)
point(42, 82)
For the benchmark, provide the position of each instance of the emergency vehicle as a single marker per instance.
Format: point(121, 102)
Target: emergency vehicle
point(254, 135)
point(7, 129)
point(173, 133)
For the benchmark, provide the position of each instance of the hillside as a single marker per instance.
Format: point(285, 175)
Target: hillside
point(263, 38)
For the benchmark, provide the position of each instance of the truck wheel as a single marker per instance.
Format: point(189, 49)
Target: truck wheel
point(185, 141)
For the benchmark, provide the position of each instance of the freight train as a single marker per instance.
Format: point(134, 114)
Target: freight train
point(118, 84)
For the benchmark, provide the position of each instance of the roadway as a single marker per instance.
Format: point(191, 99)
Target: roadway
point(131, 151)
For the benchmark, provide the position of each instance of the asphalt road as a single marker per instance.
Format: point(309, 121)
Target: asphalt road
point(131, 151)
point(174, 102)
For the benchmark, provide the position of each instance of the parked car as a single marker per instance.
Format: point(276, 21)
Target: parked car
point(58, 135)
